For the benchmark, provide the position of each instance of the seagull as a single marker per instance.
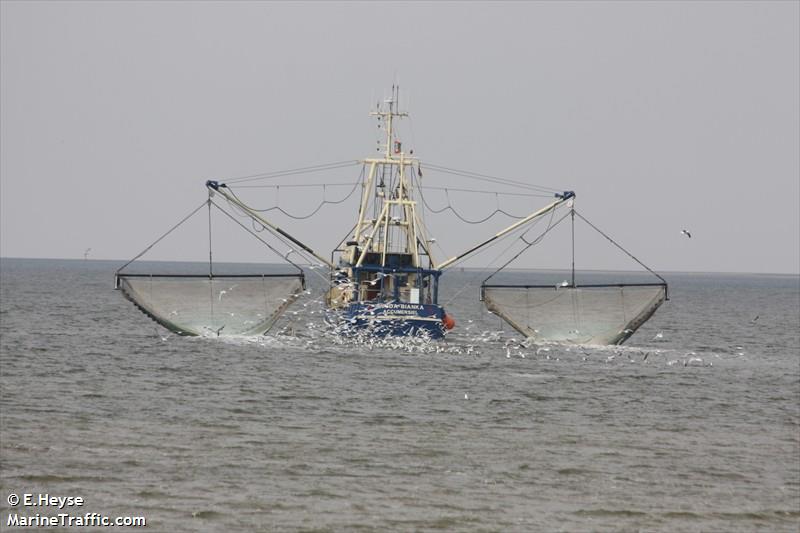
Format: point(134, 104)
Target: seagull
point(380, 275)
point(659, 335)
point(86, 253)
point(226, 291)
point(686, 232)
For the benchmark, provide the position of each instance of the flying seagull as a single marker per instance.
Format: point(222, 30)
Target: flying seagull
point(686, 232)
point(226, 291)
point(379, 276)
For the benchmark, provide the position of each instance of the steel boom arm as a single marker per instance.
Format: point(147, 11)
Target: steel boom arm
point(561, 199)
point(218, 187)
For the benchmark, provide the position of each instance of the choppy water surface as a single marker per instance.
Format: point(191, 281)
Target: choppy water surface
point(693, 425)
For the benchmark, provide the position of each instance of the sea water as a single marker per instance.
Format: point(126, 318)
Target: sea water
point(692, 425)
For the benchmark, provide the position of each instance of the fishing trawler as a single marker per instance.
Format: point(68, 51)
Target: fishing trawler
point(383, 277)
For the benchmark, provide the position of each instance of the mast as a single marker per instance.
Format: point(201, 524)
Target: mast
point(394, 230)
point(373, 235)
point(387, 114)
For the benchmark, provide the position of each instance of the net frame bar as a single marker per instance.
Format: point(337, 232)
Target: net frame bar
point(300, 275)
point(571, 286)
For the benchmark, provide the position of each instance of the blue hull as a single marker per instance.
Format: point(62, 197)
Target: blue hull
point(395, 319)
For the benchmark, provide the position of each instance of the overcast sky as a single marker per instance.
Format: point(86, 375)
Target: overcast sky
point(660, 115)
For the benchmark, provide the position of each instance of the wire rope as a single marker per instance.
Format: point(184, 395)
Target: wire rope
point(482, 191)
point(489, 178)
point(285, 257)
point(293, 171)
point(243, 214)
point(323, 203)
point(520, 233)
point(612, 241)
point(298, 185)
point(173, 228)
point(538, 239)
point(458, 215)
point(248, 230)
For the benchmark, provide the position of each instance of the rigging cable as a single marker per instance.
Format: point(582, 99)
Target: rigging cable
point(550, 226)
point(173, 228)
point(533, 224)
point(491, 179)
point(298, 185)
point(521, 237)
point(243, 214)
point(291, 172)
point(458, 215)
point(300, 217)
point(483, 191)
point(612, 241)
point(285, 257)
